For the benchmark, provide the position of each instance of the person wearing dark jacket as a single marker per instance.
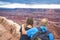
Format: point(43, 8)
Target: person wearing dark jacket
point(29, 25)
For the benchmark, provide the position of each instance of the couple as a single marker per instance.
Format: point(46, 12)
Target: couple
point(28, 30)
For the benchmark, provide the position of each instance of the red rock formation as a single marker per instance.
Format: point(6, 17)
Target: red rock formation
point(19, 16)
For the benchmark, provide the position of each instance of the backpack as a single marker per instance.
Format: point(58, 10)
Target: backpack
point(40, 35)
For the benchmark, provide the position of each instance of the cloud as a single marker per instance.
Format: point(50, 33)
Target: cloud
point(4, 3)
point(18, 5)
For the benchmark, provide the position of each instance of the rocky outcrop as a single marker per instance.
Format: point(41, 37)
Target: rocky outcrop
point(9, 30)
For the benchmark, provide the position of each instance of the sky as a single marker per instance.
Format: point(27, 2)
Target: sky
point(29, 3)
point(33, 1)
